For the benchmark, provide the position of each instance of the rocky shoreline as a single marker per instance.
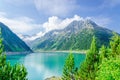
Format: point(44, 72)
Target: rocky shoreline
point(53, 78)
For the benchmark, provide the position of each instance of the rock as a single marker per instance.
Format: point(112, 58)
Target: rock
point(53, 78)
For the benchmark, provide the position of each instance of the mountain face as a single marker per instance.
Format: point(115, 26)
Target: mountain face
point(12, 43)
point(76, 36)
point(25, 38)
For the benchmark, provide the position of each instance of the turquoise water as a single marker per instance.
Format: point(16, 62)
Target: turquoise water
point(43, 65)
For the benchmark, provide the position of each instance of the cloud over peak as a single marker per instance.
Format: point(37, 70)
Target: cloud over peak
point(56, 23)
point(27, 26)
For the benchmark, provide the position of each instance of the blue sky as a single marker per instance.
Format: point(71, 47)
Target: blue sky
point(40, 16)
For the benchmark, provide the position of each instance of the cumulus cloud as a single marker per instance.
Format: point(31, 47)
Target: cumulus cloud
point(27, 26)
point(56, 23)
point(53, 23)
point(27, 38)
point(55, 7)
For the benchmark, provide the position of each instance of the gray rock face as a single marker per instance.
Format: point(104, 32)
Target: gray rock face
point(76, 36)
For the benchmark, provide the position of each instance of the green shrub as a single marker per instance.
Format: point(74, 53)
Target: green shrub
point(8, 72)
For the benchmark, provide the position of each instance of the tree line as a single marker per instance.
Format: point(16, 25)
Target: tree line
point(100, 63)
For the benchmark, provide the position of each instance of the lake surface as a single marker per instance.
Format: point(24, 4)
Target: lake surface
point(43, 65)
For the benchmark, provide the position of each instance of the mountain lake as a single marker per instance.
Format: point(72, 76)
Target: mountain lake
point(44, 65)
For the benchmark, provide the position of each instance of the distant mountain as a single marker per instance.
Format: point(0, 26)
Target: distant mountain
point(12, 43)
point(28, 39)
point(23, 37)
point(76, 36)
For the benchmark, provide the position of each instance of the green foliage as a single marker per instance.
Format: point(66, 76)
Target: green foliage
point(89, 67)
point(83, 40)
point(115, 45)
point(100, 64)
point(104, 53)
point(8, 72)
point(68, 70)
point(103, 37)
point(109, 70)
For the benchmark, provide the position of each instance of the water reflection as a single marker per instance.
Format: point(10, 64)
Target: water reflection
point(44, 65)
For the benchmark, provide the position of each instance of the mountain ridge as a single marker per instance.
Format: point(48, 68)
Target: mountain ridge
point(11, 42)
point(76, 36)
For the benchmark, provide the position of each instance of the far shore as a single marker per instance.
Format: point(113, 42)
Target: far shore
point(66, 51)
point(40, 51)
point(14, 53)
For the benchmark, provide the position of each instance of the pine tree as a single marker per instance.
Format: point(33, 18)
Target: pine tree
point(115, 45)
point(68, 70)
point(104, 53)
point(2, 56)
point(8, 72)
point(89, 67)
point(109, 70)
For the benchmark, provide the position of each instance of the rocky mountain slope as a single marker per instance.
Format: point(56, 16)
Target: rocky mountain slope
point(12, 43)
point(76, 36)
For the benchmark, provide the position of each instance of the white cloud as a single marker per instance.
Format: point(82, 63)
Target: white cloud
point(21, 25)
point(55, 7)
point(56, 23)
point(27, 38)
point(27, 26)
point(53, 22)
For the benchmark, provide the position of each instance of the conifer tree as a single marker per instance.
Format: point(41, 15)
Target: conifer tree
point(89, 67)
point(103, 64)
point(68, 70)
point(104, 54)
point(2, 56)
point(115, 45)
point(109, 70)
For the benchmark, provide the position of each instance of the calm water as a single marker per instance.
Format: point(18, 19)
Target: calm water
point(44, 65)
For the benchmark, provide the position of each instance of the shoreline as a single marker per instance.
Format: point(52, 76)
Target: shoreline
point(40, 51)
point(53, 78)
point(66, 51)
point(15, 53)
